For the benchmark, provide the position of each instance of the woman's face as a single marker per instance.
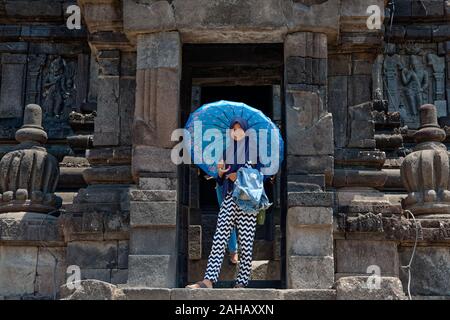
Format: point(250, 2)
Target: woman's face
point(237, 133)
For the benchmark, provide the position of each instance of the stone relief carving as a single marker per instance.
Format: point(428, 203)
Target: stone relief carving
point(413, 76)
point(58, 87)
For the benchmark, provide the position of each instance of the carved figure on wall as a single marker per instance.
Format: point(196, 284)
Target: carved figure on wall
point(58, 89)
point(413, 76)
point(415, 81)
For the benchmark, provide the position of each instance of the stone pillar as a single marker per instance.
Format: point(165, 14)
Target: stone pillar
point(153, 209)
point(96, 225)
point(309, 130)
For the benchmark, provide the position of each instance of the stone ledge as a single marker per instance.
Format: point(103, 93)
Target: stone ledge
point(124, 292)
point(310, 199)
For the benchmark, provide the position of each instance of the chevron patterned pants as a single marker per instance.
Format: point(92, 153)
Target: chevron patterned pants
point(230, 215)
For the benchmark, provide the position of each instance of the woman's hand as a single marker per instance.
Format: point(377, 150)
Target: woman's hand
point(221, 168)
point(232, 176)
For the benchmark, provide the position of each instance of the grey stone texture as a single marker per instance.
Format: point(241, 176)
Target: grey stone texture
point(306, 272)
point(357, 256)
point(359, 288)
point(156, 271)
point(429, 270)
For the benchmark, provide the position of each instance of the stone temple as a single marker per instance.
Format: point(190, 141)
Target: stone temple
point(88, 190)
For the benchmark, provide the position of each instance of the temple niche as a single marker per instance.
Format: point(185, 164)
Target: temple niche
point(413, 75)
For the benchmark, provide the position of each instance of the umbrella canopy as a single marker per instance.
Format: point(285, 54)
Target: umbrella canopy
point(213, 120)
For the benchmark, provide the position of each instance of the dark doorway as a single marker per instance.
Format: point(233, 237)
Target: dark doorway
point(244, 73)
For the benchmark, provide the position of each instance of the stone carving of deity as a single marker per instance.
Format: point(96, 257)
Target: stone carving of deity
point(415, 82)
point(58, 88)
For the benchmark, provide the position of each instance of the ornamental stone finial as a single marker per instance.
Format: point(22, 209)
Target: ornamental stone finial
point(29, 175)
point(425, 172)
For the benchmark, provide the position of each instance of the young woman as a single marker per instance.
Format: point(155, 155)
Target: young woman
point(230, 215)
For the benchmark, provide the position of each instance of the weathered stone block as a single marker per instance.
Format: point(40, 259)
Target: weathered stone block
point(355, 256)
point(146, 293)
point(119, 276)
point(295, 45)
point(148, 214)
point(43, 8)
point(92, 290)
point(154, 183)
point(310, 199)
point(309, 127)
point(195, 242)
point(358, 288)
point(92, 254)
point(152, 159)
point(359, 89)
point(12, 84)
point(314, 179)
point(362, 126)
point(23, 226)
point(296, 70)
point(50, 260)
point(96, 274)
point(430, 272)
point(226, 294)
point(157, 107)
point(337, 105)
point(340, 65)
point(156, 271)
point(306, 216)
point(108, 175)
point(309, 241)
point(306, 272)
point(123, 250)
point(359, 178)
point(310, 165)
point(158, 50)
point(309, 294)
point(17, 270)
point(141, 238)
point(151, 16)
point(153, 195)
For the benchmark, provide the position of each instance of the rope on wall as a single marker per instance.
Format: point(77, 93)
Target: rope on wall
point(408, 266)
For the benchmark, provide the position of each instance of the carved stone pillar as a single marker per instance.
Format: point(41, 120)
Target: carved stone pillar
point(425, 172)
point(153, 206)
point(309, 129)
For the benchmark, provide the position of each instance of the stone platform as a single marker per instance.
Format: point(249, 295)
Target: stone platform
point(349, 288)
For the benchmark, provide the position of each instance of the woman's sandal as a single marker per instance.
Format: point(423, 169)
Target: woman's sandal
point(238, 286)
point(200, 284)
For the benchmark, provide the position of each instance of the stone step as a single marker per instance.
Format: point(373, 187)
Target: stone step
point(145, 293)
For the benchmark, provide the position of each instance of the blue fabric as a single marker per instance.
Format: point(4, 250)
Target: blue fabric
point(232, 243)
point(219, 115)
point(249, 191)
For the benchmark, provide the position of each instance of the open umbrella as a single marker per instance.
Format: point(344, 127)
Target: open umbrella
point(214, 118)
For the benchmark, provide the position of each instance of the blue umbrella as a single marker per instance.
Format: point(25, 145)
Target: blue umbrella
point(218, 116)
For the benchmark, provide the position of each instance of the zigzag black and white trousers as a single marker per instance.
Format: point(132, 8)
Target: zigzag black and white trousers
point(230, 215)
